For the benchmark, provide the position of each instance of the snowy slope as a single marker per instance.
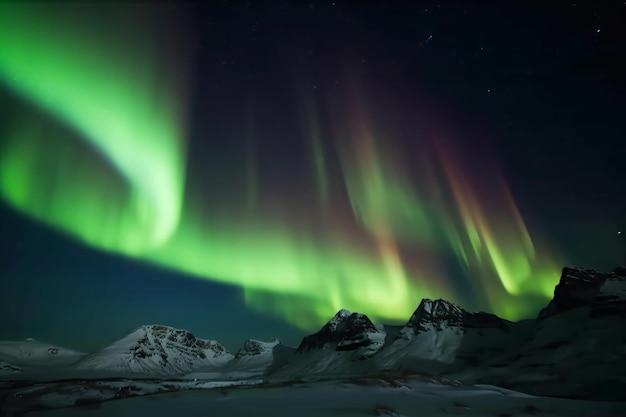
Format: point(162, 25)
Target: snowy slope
point(340, 347)
point(254, 356)
point(434, 331)
point(256, 349)
point(256, 353)
point(578, 344)
point(251, 361)
point(7, 368)
point(406, 397)
point(30, 353)
point(440, 334)
point(158, 350)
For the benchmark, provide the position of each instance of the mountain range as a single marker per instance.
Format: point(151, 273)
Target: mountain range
point(575, 348)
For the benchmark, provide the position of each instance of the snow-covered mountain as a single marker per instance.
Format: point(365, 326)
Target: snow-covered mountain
point(158, 350)
point(253, 358)
point(576, 346)
point(337, 348)
point(256, 349)
point(249, 363)
point(446, 333)
point(346, 331)
point(255, 355)
point(438, 314)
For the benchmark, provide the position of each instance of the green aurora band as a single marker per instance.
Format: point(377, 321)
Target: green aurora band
point(111, 99)
point(134, 203)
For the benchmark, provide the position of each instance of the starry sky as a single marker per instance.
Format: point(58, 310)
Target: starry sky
point(245, 169)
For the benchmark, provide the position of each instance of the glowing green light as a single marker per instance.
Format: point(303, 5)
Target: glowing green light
point(380, 197)
point(116, 103)
point(107, 165)
point(132, 201)
point(495, 244)
point(273, 260)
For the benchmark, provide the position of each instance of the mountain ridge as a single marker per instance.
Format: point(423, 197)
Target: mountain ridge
point(157, 349)
point(583, 324)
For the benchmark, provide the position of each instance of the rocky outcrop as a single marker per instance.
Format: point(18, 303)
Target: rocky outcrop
point(604, 294)
point(345, 331)
point(252, 347)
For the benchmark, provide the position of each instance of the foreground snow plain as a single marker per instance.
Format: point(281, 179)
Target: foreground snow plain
point(352, 397)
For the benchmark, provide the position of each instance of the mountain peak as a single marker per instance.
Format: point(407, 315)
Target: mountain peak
point(338, 318)
point(343, 329)
point(439, 307)
point(253, 347)
point(436, 311)
point(439, 313)
point(344, 321)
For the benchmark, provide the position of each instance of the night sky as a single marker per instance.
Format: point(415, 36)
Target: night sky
point(245, 169)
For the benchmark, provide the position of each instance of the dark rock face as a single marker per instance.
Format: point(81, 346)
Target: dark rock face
point(484, 320)
point(348, 330)
point(440, 313)
point(250, 347)
point(620, 271)
point(253, 347)
point(604, 293)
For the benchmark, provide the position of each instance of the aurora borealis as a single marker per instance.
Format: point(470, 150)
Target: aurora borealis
point(132, 124)
point(351, 193)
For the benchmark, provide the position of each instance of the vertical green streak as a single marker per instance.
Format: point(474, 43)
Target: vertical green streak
point(380, 195)
point(319, 164)
point(309, 118)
